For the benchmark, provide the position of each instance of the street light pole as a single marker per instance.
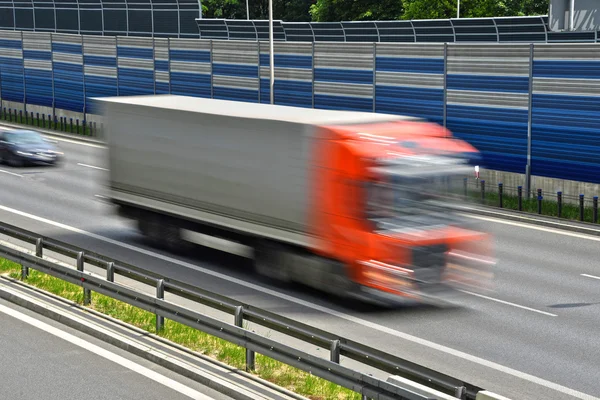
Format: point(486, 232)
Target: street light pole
point(271, 55)
point(458, 10)
point(247, 10)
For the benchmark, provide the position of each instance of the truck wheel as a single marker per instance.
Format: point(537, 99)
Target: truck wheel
point(269, 261)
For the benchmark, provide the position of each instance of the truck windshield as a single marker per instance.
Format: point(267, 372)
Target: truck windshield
point(399, 202)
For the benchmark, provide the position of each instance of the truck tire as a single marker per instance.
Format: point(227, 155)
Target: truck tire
point(269, 261)
point(160, 233)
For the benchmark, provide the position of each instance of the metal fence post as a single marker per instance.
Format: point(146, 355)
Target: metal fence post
point(445, 84)
point(559, 200)
point(212, 85)
point(483, 191)
point(529, 123)
point(581, 207)
point(250, 355)
point(313, 73)
point(39, 247)
point(335, 351)
point(87, 294)
point(595, 205)
point(110, 271)
point(461, 393)
point(374, 76)
point(160, 294)
point(500, 192)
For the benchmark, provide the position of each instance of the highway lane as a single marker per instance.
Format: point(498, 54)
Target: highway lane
point(46, 360)
point(551, 338)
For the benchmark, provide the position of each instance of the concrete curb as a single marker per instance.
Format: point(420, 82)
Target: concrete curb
point(149, 353)
point(533, 219)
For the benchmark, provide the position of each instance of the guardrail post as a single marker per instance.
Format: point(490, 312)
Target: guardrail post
point(39, 247)
point(520, 197)
point(461, 393)
point(483, 191)
point(110, 271)
point(595, 209)
point(335, 351)
point(24, 272)
point(581, 205)
point(238, 318)
point(539, 200)
point(559, 201)
point(160, 294)
point(87, 293)
point(500, 187)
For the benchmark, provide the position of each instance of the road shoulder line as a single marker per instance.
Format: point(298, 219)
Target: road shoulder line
point(211, 374)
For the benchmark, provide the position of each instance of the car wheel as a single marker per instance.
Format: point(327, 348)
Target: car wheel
point(15, 161)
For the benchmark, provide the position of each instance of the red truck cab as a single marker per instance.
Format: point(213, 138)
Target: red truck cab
point(379, 207)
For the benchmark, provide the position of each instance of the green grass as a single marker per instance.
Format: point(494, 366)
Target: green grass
point(31, 120)
point(271, 370)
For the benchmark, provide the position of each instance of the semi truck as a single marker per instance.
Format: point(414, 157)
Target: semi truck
point(350, 203)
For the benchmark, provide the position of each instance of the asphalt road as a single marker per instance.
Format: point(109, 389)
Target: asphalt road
point(535, 337)
point(42, 359)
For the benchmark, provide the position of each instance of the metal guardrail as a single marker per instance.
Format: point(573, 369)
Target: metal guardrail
point(331, 370)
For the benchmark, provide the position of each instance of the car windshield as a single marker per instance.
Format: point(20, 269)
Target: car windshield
point(24, 137)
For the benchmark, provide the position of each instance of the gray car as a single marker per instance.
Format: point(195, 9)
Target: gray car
point(26, 147)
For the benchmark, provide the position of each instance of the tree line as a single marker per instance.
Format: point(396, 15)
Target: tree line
point(366, 10)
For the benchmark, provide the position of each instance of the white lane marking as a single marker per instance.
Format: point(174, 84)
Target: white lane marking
point(509, 303)
point(155, 376)
point(534, 227)
point(325, 310)
point(590, 276)
point(11, 173)
point(92, 166)
point(78, 142)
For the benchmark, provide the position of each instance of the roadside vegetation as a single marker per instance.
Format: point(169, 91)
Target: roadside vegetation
point(510, 201)
point(271, 370)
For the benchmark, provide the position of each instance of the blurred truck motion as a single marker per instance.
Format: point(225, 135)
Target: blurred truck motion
point(351, 203)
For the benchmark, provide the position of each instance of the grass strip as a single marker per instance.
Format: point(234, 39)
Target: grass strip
point(271, 370)
point(510, 201)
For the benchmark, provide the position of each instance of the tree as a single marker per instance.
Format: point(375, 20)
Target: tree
point(433, 9)
point(356, 10)
point(286, 10)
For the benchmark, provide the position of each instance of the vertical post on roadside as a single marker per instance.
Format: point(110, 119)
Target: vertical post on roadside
point(483, 191)
point(539, 200)
point(581, 206)
point(465, 186)
point(520, 197)
point(335, 351)
point(87, 293)
point(39, 247)
point(238, 318)
point(110, 271)
point(271, 54)
point(595, 209)
point(500, 190)
point(160, 294)
point(559, 201)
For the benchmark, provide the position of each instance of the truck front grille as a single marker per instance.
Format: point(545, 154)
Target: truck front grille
point(428, 263)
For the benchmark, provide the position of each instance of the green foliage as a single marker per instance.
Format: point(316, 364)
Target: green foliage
point(365, 10)
point(356, 10)
point(286, 10)
point(433, 9)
